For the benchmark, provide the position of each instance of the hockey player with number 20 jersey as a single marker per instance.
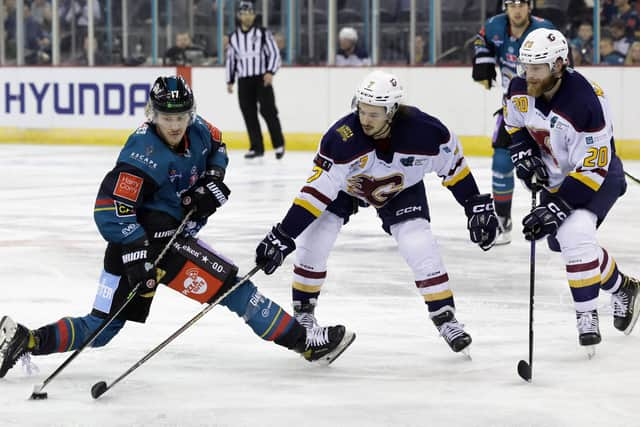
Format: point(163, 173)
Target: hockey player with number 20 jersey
point(562, 139)
point(378, 155)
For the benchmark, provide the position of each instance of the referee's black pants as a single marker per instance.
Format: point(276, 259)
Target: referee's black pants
point(251, 92)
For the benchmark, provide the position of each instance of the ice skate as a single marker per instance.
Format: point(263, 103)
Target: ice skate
point(325, 344)
point(588, 331)
point(453, 332)
point(14, 339)
point(504, 231)
point(252, 154)
point(626, 305)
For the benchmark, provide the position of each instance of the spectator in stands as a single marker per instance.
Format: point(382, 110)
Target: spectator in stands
point(582, 45)
point(608, 54)
point(420, 49)
point(349, 52)
point(553, 10)
point(41, 12)
point(184, 52)
point(99, 58)
point(633, 57)
point(621, 9)
point(37, 42)
point(281, 42)
point(621, 41)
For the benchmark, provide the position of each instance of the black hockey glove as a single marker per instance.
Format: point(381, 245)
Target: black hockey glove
point(206, 196)
point(528, 164)
point(546, 218)
point(137, 266)
point(484, 73)
point(273, 249)
point(482, 223)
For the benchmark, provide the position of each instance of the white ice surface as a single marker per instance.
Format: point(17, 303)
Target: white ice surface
point(398, 372)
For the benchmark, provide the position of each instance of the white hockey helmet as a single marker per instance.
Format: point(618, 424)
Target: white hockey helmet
point(544, 46)
point(348, 33)
point(380, 89)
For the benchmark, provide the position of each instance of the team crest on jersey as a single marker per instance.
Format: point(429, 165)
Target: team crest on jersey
point(376, 191)
point(345, 132)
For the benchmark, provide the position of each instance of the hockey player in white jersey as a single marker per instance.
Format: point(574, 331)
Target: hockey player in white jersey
point(562, 139)
point(378, 155)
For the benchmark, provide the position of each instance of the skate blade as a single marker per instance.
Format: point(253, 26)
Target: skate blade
point(347, 340)
point(502, 241)
point(466, 352)
point(590, 350)
point(634, 318)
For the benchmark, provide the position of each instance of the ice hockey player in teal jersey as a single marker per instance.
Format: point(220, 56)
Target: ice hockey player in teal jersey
point(174, 163)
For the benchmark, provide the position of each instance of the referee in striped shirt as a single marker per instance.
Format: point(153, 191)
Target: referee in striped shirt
point(252, 59)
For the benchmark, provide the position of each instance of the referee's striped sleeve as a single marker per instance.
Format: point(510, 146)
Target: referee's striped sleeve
point(230, 69)
point(272, 52)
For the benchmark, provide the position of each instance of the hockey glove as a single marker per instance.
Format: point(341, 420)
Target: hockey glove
point(546, 218)
point(273, 249)
point(137, 266)
point(482, 223)
point(206, 196)
point(528, 164)
point(484, 73)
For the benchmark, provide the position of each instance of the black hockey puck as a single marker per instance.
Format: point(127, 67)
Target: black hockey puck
point(39, 396)
point(98, 389)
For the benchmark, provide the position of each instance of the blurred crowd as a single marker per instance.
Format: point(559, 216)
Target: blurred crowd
point(189, 37)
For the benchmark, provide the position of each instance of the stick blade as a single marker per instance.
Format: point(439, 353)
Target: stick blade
point(98, 389)
point(38, 394)
point(524, 370)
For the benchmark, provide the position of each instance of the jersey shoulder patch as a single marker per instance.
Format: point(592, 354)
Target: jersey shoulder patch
point(517, 86)
point(578, 103)
point(495, 28)
point(344, 141)
point(416, 132)
point(537, 22)
point(145, 152)
point(209, 129)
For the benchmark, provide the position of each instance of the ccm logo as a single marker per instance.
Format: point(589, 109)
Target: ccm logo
point(408, 210)
point(482, 208)
point(557, 211)
point(522, 155)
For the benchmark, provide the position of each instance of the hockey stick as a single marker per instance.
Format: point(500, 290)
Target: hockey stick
point(633, 178)
point(525, 370)
point(38, 394)
point(101, 387)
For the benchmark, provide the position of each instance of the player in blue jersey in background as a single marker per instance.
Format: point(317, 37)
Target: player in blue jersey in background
point(174, 163)
point(378, 155)
point(498, 43)
point(562, 132)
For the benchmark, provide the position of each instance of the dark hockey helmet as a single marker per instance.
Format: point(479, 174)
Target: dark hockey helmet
point(506, 2)
point(171, 94)
point(245, 6)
